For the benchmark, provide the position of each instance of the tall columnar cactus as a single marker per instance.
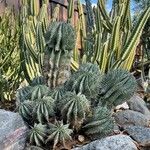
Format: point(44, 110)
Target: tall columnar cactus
point(115, 37)
point(60, 41)
point(34, 24)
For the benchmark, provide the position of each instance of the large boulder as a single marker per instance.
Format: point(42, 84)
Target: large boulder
point(13, 131)
point(139, 134)
point(116, 142)
point(130, 117)
point(136, 103)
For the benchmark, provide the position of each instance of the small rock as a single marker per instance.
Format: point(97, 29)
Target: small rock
point(130, 117)
point(136, 103)
point(116, 142)
point(123, 106)
point(116, 129)
point(139, 134)
point(13, 131)
point(81, 138)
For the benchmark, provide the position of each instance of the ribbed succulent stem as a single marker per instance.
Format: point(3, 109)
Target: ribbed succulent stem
point(58, 66)
point(60, 41)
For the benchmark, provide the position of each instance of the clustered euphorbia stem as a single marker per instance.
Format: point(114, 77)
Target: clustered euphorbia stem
point(60, 41)
point(57, 69)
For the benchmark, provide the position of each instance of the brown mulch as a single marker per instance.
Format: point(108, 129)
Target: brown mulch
point(8, 105)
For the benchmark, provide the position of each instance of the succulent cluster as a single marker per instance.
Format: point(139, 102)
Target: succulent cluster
point(82, 106)
point(60, 105)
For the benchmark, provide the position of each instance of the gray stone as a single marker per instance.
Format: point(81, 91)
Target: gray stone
point(130, 117)
point(33, 148)
point(13, 131)
point(136, 103)
point(116, 142)
point(139, 134)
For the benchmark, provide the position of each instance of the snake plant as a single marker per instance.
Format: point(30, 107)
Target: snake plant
point(9, 54)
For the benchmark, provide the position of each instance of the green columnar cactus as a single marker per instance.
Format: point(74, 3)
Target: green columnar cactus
point(59, 133)
point(38, 134)
point(89, 67)
point(23, 94)
point(35, 102)
point(85, 80)
point(44, 109)
point(116, 87)
point(38, 81)
point(113, 40)
point(39, 91)
point(74, 108)
point(90, 16)
point(100, 124)
point(34, 22)
point(25, 109)
point(60, 41)
point(58, 93)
